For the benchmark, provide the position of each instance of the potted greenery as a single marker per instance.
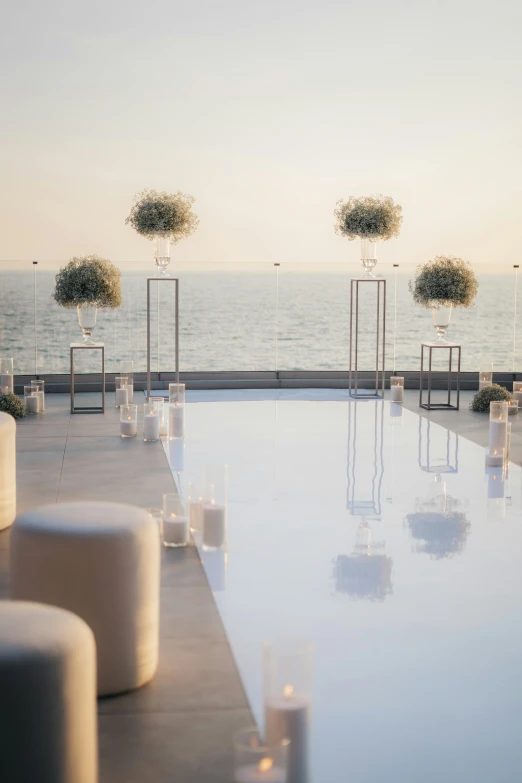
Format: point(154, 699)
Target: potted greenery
point(12, 404)
point(165, 218)
point(88, 283)
point(441, 284)
point(493, 393)
point(372, 219)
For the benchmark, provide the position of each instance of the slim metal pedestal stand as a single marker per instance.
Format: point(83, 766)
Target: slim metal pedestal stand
point(174, 280)
point(380, 341)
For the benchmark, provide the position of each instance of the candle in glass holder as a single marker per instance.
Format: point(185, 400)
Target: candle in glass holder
point(122, 396)
point(31, 403)
point(6, 375)
point(495, 458)
point(485, 378)
point(256, 761)
point(517, 392)
point(128, 421)
point(175, 522)
point(39, 389)
point(214, 525)
point(287, 681)
point(512, 407)
point(396, 388)
point(498, 413)
point(151, 423)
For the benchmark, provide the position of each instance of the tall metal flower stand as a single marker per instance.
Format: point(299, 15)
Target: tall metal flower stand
point(174, 280)
point(380, 339)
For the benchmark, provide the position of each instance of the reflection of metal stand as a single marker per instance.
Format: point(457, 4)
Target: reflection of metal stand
point(354, 338)
point(176, 296)
point(451, 465)
point(370, 506)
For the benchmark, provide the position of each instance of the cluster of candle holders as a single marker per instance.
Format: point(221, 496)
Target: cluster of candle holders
point(156, 421)
point(34, 398)
point(202, 511)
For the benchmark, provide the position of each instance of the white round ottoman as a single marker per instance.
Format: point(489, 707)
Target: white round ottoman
point(100, 561)
point(48, 724)
point(7, 470)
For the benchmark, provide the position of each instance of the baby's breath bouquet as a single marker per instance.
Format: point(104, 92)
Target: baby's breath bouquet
point(163, 214)
point(12, 404)
point(370, 217)
point(444, 281)
point(88, 280)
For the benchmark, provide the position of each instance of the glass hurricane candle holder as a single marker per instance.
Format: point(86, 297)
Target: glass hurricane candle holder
point(159, 405)
point(512, 407)
point(397, 388)
point(498, 414)
point(176, 410)
point(288, 680)
point(39, 387)
point(485, 378)
point(151, 423)
point(195, 508)
point(6, 375)
point(214, 510)
point(257, 762)
point(127, 370)
point(175, 521)
point(121, 387)
point(128, 420)
point(517, 392)
point(495, 458)
point(31, 400)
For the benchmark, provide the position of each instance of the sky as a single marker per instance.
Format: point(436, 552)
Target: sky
point(267, 113)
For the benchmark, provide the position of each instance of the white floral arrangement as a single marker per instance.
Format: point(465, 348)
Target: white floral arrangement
point(372, 217)
point(165, 214)
point(88, 280)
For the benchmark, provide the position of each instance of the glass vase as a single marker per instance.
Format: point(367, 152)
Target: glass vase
point(368, 255)
point(441, 315)
point(87, 319)
point(162, 254)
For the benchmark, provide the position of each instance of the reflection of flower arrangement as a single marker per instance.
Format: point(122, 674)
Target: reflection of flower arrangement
point(444, 281)
point(165, 214)
point(442, 535)
point(89, 280)
point(374, 217)
point(494, 393)
point(363, 576)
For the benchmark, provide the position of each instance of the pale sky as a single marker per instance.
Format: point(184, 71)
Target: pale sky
point(268, 113)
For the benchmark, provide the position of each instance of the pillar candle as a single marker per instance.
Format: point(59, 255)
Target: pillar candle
point(497, 434)
point(31, 404)
point(151, 428)
point(214, 525)
point(176, 421)
point(6, 382)
point(288, 717)
point(397, 393)
point(175, 530)
point(128, 428)
point(122, 397)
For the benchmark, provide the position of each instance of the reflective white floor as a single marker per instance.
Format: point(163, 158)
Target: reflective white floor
point(380, 537)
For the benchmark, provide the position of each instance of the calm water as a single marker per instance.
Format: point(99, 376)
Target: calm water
point(230, 320)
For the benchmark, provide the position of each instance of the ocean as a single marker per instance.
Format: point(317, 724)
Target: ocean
point(252, 318)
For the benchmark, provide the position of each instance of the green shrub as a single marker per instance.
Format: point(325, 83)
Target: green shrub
point(12, 404)
point(494, 393)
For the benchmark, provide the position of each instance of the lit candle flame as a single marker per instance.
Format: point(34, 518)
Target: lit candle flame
point(265, 765)
point(288, 691)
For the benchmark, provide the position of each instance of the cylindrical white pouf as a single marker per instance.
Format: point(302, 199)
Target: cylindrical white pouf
point(100, 561)
point(7, 470)
point(48, 724)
